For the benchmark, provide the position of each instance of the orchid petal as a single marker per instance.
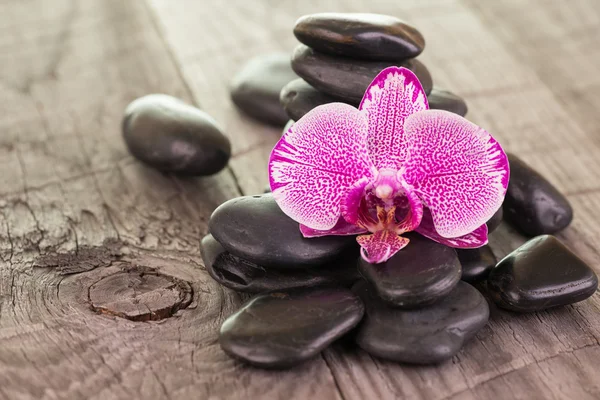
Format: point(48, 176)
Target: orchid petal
point(473, 240)
point(316, 161)
point(458, 169)
point(342, 228)
point(394, 94)
point(351, 203)
point(380, 246)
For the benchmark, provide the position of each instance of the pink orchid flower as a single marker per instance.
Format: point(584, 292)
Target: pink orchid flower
point(389, 167)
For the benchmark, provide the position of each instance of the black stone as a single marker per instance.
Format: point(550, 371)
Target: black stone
point(346, 78)
point(532, 204)
point(245, 276)
point(444, 100)
point(256, 87)
point(494, 222)
point(420, 274)
point(172, 136)
point(476, 263)
point(426, 335)
point(365, 36)
point(298, 98)
point(283, 329)
point(542, 273)
point(255, 229)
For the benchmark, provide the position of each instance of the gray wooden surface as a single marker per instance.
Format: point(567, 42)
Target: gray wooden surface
point(529, 71)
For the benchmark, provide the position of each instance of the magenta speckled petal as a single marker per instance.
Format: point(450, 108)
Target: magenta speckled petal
point(316, 161)
point(351, 202)
point(394, 94)
point(342, 228)
point(458, 169)
point(380, 246)
point(477, 238)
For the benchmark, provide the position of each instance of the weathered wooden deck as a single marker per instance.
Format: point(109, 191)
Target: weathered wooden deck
point(529, 71)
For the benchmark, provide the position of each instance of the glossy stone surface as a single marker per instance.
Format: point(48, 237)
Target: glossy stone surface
point(245, 276)
point(494, 222)
point(440, 99)
point(420, 274)
point(282, 329)
point(172, 136)
point(426, 335)
point(255, 88)
point(532, 204)
point(476, 263)
point(365, 36)
point(347, 78)
point(255, 229)
point(541, 274)
point(298, 97)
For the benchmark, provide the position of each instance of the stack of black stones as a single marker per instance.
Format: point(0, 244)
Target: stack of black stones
point(423, 304)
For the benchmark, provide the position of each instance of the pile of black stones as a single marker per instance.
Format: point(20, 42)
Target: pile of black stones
point(339, 55)
point(423, 304)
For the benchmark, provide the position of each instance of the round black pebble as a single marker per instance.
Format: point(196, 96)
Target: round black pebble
point(254, 228)
point(420, 274)
point(244, 276)
point(298, 98)
point(255, 89)
point(476, 263)
point(426, 335)
point(172, 136)
point(532, 204)
point(444, 100)
point(365, 36)
point(345, 78)
point(542, 273)
point(494, 222)
point(283, 329)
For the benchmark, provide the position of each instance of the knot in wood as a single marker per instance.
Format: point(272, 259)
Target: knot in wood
point(140, 296)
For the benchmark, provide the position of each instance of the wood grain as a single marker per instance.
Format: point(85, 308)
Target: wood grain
point(68, 186)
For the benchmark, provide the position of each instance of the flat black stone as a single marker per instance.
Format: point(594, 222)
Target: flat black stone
point(476, 263)
point(245, 276)
point(172, 136)
point(541, 274)
point(440, 99)
point(420, 274)
point(283, 329)
point(494, 222)
point(298, 97)
point(426, 335)
point(532, 204)
point(347, 78)
point(255, 88)
point(255, 229)
point(365, 36)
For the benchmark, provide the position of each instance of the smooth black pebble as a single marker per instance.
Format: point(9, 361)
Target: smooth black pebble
point(444, 100)
point(476, 263)
point(420, 274)
point(283, 329)
point(172, 136)
point(298, 97)
point(426, 335)
point(365, 36)
point(255, 229)
point(245, 276)
point(532, 204)
point(494, 222)
point(540, 274)
point(345, 78)
point(255, 88)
